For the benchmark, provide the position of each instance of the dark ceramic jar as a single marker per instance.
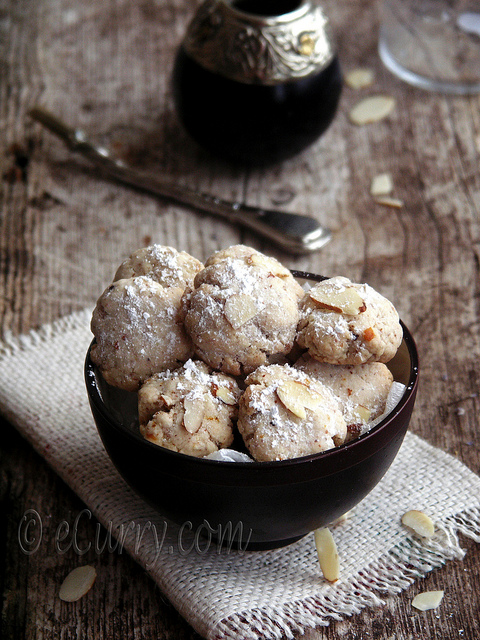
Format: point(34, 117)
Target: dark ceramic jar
point(257, 81)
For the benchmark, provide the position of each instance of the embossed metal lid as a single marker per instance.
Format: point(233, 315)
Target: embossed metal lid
point(234, 39)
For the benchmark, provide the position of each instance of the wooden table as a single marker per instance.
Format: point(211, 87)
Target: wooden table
point(106, 66)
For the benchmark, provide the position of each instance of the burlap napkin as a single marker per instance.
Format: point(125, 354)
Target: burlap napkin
point(226, 593)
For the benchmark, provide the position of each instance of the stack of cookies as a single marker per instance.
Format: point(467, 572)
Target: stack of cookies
point(237, 343)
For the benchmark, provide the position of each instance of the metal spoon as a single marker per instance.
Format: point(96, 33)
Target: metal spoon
point(292, 232)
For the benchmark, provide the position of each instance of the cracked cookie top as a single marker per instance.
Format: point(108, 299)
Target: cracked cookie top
point(242, 310)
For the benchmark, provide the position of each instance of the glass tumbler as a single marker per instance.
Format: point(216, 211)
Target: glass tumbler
point(433, 44)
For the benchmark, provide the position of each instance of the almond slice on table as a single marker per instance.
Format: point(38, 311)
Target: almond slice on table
point(239, 309)
point(359, 78)
point(381, 185)
point(427, 600)
point(347, 300)
point(77, 583)
point(327, 554)
point(419, 522)
point(372, 109)
point(296, 397)
point(387, 201)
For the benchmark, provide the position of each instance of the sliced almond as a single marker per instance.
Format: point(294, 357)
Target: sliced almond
point(296, 397)
point(382, 185)
point(327, 554)
point(239, 309)
point(194, 414)
point(359, 78)
point(77, 583)
point(427, 600)
point(347, 300)
point(276, 269)
point(372, 109)
point(419, 522)
point(291, 400)
point(226, 396)
point(167, 401)
point(395, 203)
point(362, 413)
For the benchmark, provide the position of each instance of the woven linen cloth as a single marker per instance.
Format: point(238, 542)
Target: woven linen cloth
point(225, 593)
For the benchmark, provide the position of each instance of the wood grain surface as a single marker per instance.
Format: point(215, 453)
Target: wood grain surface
point(106, 66)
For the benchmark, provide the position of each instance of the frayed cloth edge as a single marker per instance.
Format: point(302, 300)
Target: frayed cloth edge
point(10, 343)
point(390, 575)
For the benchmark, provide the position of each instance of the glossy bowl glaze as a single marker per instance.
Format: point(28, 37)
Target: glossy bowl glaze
point(259, 504)
point(254, 124)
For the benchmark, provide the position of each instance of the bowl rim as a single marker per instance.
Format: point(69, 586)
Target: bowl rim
point(95, 397)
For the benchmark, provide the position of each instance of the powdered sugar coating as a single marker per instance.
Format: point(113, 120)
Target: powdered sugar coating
point(257, 260)
point(271, 431)
point(166, 265)
point(240, 312)
point(253, 257)
point(138, 331)
point(190, 410)
point(373, 335)
point(361, 389)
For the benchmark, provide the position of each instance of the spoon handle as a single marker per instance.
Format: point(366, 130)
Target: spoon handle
point(294, 233)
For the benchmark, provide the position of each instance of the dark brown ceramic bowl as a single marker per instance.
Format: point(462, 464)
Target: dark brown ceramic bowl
point(262, 504)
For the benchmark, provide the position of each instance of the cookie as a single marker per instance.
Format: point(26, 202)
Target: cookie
point(285, 414)
point(165, 265)
point(138, 331)
point(190, 410)
point(347, 323)
point(242, 310)
point(361, 389)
